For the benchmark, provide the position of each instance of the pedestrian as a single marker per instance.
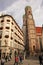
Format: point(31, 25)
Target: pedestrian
point(20, 57)
point(10, 55)
point(6, 58)
point(2, 61)
point(40, 59)
point(16, 60)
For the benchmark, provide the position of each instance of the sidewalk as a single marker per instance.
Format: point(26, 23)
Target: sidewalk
point(25, 62)
point(0, 62)
point(30, 62)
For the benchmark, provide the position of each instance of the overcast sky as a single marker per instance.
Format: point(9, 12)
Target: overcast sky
point(16, 8)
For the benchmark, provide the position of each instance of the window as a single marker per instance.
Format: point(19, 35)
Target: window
point(11, 38)
point(12, 30)
point(0, 37)
point(15, 40)
point(8, 20)
point(12, 23)
point(2, 21)
point(6, 36)
point(7, 27)
point(1, 28)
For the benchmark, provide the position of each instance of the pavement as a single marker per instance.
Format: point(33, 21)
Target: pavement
point(25, 62)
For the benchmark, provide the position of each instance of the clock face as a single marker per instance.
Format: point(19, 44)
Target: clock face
point(30, 16)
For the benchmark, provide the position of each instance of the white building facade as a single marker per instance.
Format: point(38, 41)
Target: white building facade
point(11, 36)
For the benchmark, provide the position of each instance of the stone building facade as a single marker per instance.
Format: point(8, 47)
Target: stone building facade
point(11, 35)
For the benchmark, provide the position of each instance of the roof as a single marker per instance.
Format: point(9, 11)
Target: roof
point(39, 30)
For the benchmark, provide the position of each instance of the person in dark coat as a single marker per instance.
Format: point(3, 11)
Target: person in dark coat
point(2, 61)
point(6, 58)
point(40, 59)
point(20, 57)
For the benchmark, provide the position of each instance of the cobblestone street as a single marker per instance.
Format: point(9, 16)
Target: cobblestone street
point(25, 62)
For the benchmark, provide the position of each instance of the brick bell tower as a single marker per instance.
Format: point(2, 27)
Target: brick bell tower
point(30, 32)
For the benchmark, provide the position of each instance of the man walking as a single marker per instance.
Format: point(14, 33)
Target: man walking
point(40, 59)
